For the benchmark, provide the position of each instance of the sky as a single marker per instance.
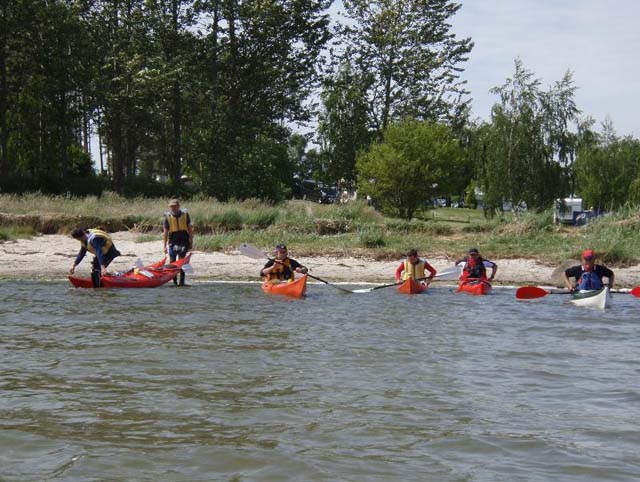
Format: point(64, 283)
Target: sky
point(598, 40)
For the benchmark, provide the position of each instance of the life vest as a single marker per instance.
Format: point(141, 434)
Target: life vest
point(474, 268)
point(177, 223)
point(97, 233)
point(589, 281)
point(413, 270)
point(282, 271)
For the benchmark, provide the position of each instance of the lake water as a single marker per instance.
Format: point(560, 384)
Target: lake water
point(221, 382)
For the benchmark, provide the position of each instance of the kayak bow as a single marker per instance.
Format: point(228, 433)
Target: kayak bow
point(474, 287)
point(295, 289)
point(412, 287)
point(600, 299)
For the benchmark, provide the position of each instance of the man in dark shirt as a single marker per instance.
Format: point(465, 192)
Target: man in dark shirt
point(282, 268)
point(588, 275)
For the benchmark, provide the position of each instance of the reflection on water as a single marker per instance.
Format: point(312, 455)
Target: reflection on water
point(222, 382)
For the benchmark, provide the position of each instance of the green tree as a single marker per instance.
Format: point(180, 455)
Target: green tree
point(410, 57)
point(529, 149)
point(343, 126)
point(607, 172)
point(415, 160)
point(262, 64)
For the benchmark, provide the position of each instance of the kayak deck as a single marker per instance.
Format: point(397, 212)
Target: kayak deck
point(294, 289)
point(474, 287)
point(600, 299)
point(412, 287)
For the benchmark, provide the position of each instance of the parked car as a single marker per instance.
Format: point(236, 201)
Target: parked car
point(313, 191)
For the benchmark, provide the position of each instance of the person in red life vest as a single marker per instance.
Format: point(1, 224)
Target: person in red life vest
point(178, 235)
point(414, 267)
point(588, 275)
point(475, 266)
point(282, 268)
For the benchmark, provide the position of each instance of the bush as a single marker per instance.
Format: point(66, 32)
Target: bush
point(372, 239)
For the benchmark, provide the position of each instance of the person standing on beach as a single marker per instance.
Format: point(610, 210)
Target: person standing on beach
point(414, 267)
point(100, 244)
point(282, 268)
point(588, 275)
point(475, 266)
point(178, 235)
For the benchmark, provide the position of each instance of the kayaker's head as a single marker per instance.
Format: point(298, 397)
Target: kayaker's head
point(174, 205)
point(588, 257)
point(281, 251)
point(412, 256)
point(78, 234)
point(473, 253)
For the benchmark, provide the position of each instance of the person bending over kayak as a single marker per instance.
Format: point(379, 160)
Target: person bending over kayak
point(414, 267)
point(475, 266)
point(282, 267)
point(177, 235)
point(588, 275)
point(100, 245)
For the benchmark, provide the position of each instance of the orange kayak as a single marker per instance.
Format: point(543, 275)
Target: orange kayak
point(412, 287)
point(475, 287)
point(295, 289)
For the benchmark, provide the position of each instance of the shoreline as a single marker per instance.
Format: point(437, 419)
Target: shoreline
point(48, 257)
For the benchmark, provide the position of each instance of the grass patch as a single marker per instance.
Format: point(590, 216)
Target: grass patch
point(354, 229)
point(11, 233)
point(148, 238)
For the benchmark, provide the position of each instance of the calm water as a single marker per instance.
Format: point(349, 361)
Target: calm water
point(222, 382)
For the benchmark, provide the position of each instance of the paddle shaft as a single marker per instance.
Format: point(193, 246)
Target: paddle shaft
point(396, 284)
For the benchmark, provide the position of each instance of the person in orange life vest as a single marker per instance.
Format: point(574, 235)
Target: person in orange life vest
point(475, 266)
point(414, 267)
point(588, 275)
point(101, 245)
point(282, 267)
point(178, 234)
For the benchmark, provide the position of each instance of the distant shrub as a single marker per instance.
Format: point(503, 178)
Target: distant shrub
point(372, 239)
point(262, 218)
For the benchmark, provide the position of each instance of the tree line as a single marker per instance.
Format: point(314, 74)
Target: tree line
point(218, 91)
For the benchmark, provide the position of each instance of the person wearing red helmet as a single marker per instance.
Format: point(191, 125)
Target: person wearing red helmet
point(588, 275)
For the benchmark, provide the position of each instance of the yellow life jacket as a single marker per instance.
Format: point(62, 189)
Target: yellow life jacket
point(97, 233)
point(177, 223)
point(282, 271)
point(413, 270)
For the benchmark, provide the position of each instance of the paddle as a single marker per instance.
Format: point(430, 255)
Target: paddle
point(255, 253)
point(446, 274)
point(533, 292)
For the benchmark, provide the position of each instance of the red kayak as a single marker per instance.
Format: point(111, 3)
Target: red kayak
point(412, 287)
point(295, 289)
point(475, 286)
point(147, 277)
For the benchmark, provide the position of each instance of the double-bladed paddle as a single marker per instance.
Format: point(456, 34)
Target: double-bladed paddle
point(533, 292)
point(255, 253)
point(445, 274)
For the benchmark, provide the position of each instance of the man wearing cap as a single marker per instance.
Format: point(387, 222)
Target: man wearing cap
point(588, 275)
point(475, 266)
point(178, 234)
point(282, 267)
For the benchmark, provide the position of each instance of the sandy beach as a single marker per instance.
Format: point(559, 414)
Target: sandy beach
point(50, 256)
